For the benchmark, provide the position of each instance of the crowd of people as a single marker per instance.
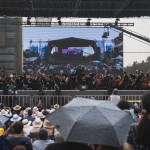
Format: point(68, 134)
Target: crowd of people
point(27, 128)
point(94, 81)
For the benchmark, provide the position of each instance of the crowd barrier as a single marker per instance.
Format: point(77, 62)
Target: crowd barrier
point(49, 100)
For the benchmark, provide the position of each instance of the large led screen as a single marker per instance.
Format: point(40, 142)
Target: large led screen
point(62, 50)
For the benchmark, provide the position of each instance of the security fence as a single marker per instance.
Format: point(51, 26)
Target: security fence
point(49, 100)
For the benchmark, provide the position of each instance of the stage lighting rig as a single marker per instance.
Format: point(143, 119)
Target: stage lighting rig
point(28, 21)
point(59, 21)
point(116, 21)
point(88, 22)
point(105, 34)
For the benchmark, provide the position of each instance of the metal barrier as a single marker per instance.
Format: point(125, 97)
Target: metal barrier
point(50, 100)
point(96, 97)
point(47, 100)
point(12, 100)
point(132, 99)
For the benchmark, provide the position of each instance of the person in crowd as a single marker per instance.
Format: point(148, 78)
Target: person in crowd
point(50, 129)
point(58, 137)
point(18, 138)
point(1, 131)
point(26, 126)
point(30, 116)
point(17, 109)
point(15, 118)
point(139, 134)
point(43, 141)
point(114, 97)
point(105, 147)
point(19, 147)
point(25, 112)
point(137, 111)
point(68, 146)
point(37, 125)
point(124, 105)
point(143, 112)
point(56, 106)
point(40, 115)
point(35, 110)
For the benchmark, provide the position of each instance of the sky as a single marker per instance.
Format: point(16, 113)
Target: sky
point(133, 50)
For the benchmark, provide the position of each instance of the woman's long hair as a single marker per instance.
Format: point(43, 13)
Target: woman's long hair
point(143, 129)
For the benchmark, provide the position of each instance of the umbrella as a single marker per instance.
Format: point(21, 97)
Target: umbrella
point(92, 121)
point(96, 62)
point(119, 57)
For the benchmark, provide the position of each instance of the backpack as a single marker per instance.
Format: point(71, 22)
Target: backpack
point(4, 143)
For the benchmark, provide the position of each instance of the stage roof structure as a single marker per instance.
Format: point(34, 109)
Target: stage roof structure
point(75, 8)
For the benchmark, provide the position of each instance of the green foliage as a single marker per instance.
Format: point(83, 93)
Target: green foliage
point(143, 66)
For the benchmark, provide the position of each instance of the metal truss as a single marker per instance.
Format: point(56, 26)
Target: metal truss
point(67, 24)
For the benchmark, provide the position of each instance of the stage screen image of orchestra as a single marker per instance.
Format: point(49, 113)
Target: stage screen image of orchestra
point(62, 50)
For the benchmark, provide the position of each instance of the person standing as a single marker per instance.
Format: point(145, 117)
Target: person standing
point(43, 140)
point(114, 97)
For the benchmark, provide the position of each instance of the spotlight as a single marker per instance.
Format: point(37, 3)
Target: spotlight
point(105, 35)
point(88, 22)
point(59, 22)
point(28, 21)
point(116, 21)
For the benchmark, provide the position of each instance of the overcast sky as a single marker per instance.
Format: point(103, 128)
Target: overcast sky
point(134, 50)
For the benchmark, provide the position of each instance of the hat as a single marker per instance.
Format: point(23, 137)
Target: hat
point(56, 106)
point(15, 118)
point(3, 112)
point(1, 131)
point(40, 115)
point(26, 110)
point(26, 123)
point(37, 123)
point(35, 108)
point(17, 107)
point(47, 124)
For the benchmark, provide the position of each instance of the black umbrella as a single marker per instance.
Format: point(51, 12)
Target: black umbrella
point(92, 121)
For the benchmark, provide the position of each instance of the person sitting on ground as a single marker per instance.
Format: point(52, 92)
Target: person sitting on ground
point(43, 141)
